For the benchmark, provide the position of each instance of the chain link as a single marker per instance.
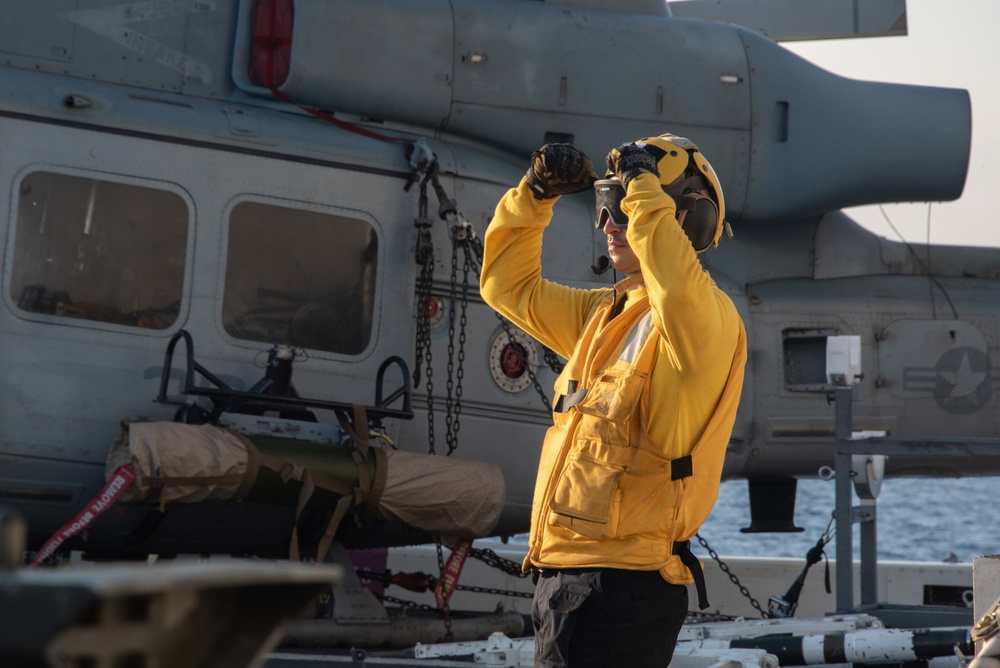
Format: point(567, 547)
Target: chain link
point(453, 403)
point(449, 403)
point(553, 360)
point(485, 555)
point(425, 258)
point(411, 605)
point(423, 322)
point(732, 576)
point(462, 322)
point(490, 558)
point(494, 560)
point(424, 337)
point(496, 592)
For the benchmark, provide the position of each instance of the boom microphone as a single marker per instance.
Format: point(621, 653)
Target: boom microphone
point(601, 265)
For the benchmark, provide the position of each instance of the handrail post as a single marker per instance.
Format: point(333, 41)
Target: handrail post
point(844, 520)
point(869, 552)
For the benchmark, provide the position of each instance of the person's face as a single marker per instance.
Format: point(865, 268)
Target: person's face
point(622, 256)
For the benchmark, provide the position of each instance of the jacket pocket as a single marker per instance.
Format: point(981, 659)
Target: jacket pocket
point(586, 498)
point(610, 403)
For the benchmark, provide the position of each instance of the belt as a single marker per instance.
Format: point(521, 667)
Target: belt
point(537, 573)
point(683, 550)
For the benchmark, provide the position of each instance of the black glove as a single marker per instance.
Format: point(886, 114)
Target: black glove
point(630, 160)
point(559, 169)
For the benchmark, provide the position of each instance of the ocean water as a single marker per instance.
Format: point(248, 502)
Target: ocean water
point(918, 519)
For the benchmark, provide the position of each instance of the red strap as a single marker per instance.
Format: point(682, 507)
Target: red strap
point(322, 115)
point(106, 498)
point(270, 61)
point(452, 569)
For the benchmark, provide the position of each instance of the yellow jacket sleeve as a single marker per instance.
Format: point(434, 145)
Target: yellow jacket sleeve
point(695, 384)
point(512, 282)
point(697, 319)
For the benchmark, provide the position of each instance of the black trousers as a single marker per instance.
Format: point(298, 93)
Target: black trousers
point(606, 617)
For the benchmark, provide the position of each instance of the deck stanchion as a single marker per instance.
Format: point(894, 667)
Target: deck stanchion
point(844, 520)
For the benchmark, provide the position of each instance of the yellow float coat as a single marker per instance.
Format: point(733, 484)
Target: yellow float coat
point(616, 486)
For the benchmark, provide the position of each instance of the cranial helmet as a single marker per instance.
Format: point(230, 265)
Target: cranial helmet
point(687, 177)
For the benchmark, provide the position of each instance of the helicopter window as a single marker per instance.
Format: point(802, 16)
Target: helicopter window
point(805, 359)
point(300, 278)
point(99, 250)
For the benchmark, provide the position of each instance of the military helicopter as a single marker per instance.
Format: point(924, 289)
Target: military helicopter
point(258, 180)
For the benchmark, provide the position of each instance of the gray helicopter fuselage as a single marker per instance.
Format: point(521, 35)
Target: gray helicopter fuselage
point(151, 187)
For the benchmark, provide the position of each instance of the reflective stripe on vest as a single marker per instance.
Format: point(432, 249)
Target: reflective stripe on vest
point(629, 352)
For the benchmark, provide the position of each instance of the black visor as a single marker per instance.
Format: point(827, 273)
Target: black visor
point(609, 193)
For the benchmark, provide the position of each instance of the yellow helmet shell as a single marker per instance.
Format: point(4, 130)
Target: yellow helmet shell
point(679, 152)
point(675, 159)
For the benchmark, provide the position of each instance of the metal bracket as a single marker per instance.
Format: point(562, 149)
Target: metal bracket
point(351, 601)
point(861, 514)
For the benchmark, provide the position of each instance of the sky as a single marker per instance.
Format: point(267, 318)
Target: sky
point(951, 44)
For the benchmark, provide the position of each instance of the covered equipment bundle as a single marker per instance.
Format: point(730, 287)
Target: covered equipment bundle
point(182, 463)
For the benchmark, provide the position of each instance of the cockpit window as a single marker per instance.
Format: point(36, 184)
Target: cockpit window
point(99, 250)
point(300, 278)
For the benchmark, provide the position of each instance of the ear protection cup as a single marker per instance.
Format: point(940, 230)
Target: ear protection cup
point(698, 216)
point(687, 176)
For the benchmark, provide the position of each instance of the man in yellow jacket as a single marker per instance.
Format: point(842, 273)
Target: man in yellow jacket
point(644, 408)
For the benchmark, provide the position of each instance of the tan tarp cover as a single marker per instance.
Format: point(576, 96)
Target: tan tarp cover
point(214, 462)
point(441, 494)
point(181, 463)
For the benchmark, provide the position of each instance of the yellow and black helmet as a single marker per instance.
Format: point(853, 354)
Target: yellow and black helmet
point(687, 176)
